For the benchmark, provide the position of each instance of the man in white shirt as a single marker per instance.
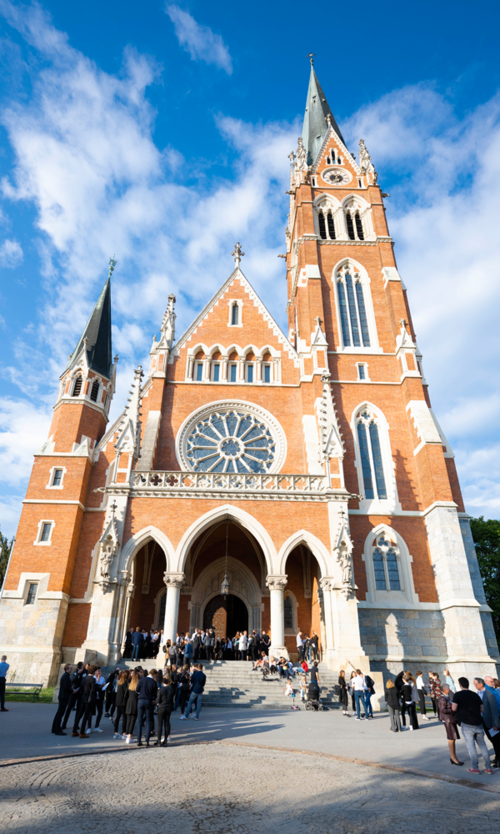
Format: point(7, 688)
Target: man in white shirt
point(421, 694)
point(300, 645)
point(243, 645)
point(359, 693)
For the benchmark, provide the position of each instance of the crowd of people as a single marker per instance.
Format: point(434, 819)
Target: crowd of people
point(133, 700)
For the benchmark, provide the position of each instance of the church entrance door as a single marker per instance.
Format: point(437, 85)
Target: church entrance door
point(226, 614)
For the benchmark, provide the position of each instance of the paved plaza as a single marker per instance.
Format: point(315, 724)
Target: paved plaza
point(240, 771)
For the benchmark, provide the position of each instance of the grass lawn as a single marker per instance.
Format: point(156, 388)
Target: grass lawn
point(46, 696)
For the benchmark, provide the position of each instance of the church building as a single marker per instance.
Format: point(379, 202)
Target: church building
point(258, 479)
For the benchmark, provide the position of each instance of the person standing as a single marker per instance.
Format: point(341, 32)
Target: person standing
point(469, 707)
point(87, 706)
point(491, 721)
point(131, 707)
point(315, 646)
point(265, 642)
point(65, 690)
point(435, 687)
point(359, 693)
point(137, 641)
point(495, 737)
point(4, 668)
point(76, 692)
point(127, 646)
point(255, 645)
point(447, 716)
point(410, 695)
point(120, 701)
point(449, 681)
point(196, 646)
point(147, 690)
point(350, 687)
point(343, 694)
point(183, 690)
point(188, 652)
point(421, 689)
point(393, 705)
point(99, 683)
point(300, 646)
point(243, 647)
point(165, 705)
point(369, 691)
point(198, 681)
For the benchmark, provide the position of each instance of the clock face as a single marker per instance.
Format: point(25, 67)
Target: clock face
point(336, 176)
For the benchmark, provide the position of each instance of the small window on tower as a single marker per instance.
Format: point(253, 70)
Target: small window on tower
point(215, 371)
point(267, 373)
point(361, 372)
point(31, 597)
point(45, 532)
point(235, 314)
point(233, 372)
point(58, 476)
point(322, 225)
point(199, 371)
point(77, 387)
point(94, 393)
point(250, 370)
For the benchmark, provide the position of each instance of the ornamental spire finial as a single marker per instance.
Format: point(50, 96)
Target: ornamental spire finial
point(112, 263)
point(237, 254)
point(311, 57)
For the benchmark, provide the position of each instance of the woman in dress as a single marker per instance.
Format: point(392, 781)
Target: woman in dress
point(343, 694)
point(435, 687)
point(447, 716)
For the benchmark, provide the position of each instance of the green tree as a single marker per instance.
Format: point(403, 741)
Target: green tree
point(486, 535)
point(5, 548)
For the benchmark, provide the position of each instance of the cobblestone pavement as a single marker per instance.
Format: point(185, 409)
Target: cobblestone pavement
point(211, 789)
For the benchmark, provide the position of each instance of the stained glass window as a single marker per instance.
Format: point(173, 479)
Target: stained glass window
point(231, 441)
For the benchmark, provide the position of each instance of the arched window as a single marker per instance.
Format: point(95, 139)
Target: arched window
point(353, 318)
point(288, 613)
point(326, 224)
point(94, 393)
point(354, 225)
point(77, 387)
point(235, 314)
point(386, 568)
point(374, 482)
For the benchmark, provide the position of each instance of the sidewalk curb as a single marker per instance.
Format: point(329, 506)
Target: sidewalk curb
point(412, 771)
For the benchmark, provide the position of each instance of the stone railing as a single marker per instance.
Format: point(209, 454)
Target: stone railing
point(220, 485)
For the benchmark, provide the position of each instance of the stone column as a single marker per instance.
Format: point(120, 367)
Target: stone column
point(174, 583)
point(276, 585)
point(190, 367)
point(326, 585)
point(258, 368)
point(224, 364)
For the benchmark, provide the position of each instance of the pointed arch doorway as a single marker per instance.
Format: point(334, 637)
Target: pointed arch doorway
point(226, 614)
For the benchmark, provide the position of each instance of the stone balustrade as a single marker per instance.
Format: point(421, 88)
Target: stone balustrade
point(222, 484)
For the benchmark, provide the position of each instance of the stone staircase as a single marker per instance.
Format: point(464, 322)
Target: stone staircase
point(231, 683)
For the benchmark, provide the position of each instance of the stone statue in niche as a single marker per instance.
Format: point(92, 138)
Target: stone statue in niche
point(108, 550)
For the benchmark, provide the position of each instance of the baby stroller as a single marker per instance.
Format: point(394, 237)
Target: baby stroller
point(313, 702)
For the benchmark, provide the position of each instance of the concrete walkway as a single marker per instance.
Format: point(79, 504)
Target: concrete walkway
point(25, 733)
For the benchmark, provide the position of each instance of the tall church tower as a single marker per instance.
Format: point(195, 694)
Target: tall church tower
point(348, 312)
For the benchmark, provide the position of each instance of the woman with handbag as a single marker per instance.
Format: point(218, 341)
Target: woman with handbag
point(447, 716)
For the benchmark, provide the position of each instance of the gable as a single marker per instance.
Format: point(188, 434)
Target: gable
point(255, 330)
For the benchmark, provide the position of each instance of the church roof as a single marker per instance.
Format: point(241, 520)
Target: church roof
point(315, 122)
point(97, 334)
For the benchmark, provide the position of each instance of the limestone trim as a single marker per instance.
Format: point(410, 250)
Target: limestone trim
point(226, 512)
point(43, 593)
point(317, 548)
point(53, 501)
point(41, 524)
point(139, 539)
point(52, 472)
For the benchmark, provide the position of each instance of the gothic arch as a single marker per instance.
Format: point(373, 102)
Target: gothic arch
point(230, 513)
point(317, 548)
point(405, 561)
point(390, 503)
point(139, 539)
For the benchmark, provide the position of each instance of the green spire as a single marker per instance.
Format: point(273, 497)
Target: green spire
point(97, 333)
point(315, 119)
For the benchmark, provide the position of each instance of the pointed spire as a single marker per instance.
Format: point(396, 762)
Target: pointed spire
point(96, 337)
point(317, 119)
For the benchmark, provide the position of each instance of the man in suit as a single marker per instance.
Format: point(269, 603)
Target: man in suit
point(87, 706)
point(76, 692)
point(147, 690)
point(137, 641)
point(65, 692)
point(196, 646)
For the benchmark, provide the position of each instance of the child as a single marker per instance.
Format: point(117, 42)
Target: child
point(303, 687)
point(289, 690)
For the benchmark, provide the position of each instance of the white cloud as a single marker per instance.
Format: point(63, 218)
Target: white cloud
point(11, 254)
point(199, 40)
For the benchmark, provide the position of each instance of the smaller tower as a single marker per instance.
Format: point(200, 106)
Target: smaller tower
point(87, 383)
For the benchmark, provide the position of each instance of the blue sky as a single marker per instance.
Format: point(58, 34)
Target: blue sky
point(162, 136)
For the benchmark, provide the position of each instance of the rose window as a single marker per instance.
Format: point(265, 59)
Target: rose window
point(231, 441)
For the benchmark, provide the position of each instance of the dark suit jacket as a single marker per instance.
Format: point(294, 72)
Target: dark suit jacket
point(147, 689)
point(89, 691)
point(65, 687)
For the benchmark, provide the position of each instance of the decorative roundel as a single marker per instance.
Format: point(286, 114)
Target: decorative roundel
point(336, 176)
point(232, 437)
